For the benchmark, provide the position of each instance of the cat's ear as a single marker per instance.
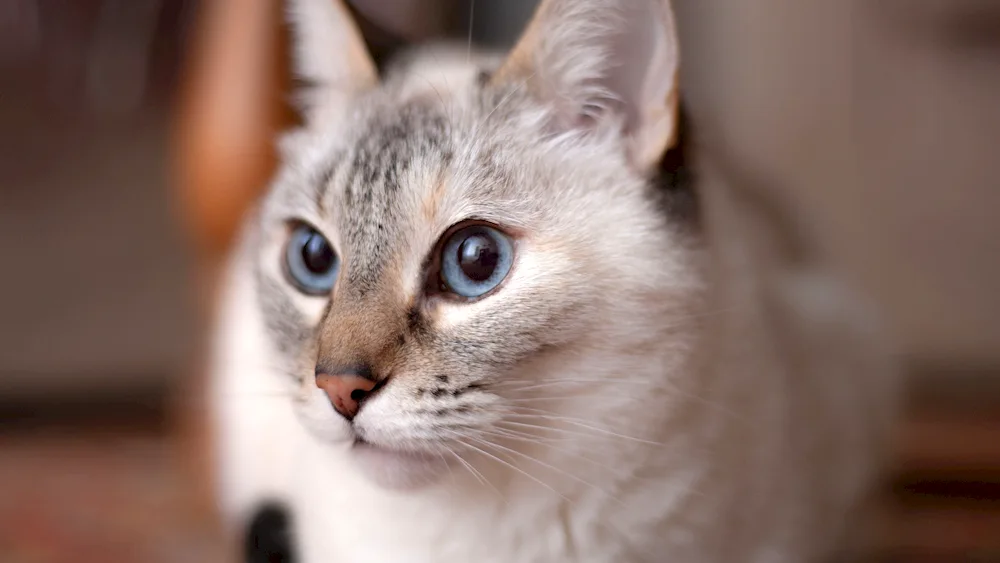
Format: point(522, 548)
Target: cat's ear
point(330, 55)
point(600, 59)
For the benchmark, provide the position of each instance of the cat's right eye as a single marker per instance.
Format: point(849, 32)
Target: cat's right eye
point(310, 262)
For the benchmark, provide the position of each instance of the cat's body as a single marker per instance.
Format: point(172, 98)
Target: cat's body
point(577, 411)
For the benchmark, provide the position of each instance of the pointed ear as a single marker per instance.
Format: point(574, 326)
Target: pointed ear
point(330, 54)
point(604, 59)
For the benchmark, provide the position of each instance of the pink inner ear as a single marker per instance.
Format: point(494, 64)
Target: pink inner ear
point(643, 65)
point(645, 79)
point(629, 72)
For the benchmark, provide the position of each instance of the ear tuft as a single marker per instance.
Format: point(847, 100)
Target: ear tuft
point(330, 55)
point(595, 60)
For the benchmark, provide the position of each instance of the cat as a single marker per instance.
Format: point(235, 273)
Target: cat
point(466, 322)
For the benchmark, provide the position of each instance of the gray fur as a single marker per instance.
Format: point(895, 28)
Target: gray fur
point(495, 154)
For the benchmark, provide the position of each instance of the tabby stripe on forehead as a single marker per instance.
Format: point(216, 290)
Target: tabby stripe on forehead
point(324, 182)
point(380, 162)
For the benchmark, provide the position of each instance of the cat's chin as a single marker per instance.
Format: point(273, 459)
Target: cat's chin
point(396, 469)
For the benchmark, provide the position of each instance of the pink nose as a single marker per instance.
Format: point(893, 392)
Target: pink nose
point(346, 391)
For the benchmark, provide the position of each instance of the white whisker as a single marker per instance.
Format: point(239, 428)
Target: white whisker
point(515, 468)
point(568, 381)
point(567, 431)
point(532, 440)
point(502, 101)
point(549, 466)
point(576, 422)
point(551, 398)
point(475, 473)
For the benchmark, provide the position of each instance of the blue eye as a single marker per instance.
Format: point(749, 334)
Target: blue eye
point(474, 260)
point(310, 262)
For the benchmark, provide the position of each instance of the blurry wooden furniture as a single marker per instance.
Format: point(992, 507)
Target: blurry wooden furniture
point(231, 107)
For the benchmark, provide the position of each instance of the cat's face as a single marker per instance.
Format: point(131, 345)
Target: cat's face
point(446, 268)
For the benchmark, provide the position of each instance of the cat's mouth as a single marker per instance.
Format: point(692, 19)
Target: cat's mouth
point(395, 468)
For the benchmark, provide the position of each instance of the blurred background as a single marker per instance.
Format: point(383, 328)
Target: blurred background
point(133, 133)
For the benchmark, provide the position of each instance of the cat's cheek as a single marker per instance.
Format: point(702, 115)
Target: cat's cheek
point(318, 417)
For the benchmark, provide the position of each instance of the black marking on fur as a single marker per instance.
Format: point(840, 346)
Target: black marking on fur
point(268, 537)
point(483, 77)
point(467, 389)
point(416, 324)
point(674, 182)
point(440, 391)
point(442, 378)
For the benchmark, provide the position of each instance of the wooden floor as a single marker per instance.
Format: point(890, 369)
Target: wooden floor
point(101, 490)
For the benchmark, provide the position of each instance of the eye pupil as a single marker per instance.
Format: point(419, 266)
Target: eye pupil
point(310, 261)
point(317, 255)
point(474, 260)
point(478, 256)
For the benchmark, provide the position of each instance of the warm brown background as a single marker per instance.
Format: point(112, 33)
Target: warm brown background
point(123, 171)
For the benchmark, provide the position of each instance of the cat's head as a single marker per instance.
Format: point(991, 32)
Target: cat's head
point(469, 254)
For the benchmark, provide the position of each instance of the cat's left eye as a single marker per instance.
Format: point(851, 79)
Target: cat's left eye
point(310, 262)
point(475, 260)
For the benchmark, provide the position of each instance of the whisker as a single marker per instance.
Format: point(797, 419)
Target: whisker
point(502, 101)
point(522, 436)
point(472, 470)
point(475, 472)
point(531, 440)
point(549, 382)
point(552, 398)
point(512, 386)
point(567, 431)
point(451, 473)
point(582, 424)
point(548, 466)
point(450, 107)
point(433, 87)
point(515, 468)
point(515, 433)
